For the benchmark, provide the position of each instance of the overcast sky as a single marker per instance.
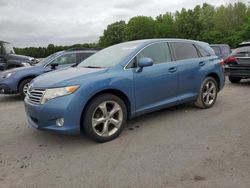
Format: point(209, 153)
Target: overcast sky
point(66, 22)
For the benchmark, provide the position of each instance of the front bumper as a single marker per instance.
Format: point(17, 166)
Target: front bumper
point(43, 117)
point(8, 86)
point(238, 71)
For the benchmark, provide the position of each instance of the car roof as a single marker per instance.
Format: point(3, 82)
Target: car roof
point(87, 50)
point(246, 43)
point(146, 41)
point(219, 45)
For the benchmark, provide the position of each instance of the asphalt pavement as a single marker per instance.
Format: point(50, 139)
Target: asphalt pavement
point(179, 147)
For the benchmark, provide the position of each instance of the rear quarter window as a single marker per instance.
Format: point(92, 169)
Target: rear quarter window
point(184, 50)
point(202, 51)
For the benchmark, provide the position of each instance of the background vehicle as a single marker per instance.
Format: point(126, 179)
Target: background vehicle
point(9, 60)
point(237, 65)
point(124, 81)
point(221, 50)
point(16, 80)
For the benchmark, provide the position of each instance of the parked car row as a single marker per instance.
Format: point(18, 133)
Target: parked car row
point(16, 81)
point(9, 60)
point(96, 92)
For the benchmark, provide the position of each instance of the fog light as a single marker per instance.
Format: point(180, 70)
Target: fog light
point(60, 122)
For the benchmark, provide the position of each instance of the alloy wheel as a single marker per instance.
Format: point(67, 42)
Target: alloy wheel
point(107, 118)
point(209, 93)
point(25, 88)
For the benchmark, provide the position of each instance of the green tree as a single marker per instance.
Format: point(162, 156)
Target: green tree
point(140, 27)
point(113, 34)
point(165, 25)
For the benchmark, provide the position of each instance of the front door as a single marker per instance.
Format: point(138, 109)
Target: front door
point(155, 86)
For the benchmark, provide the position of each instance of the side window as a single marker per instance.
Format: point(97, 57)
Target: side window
point(225, 50)
point(82, 56)
point(65, 59)
point(184, 50)
point(202, 51)
point(216, 50)
point(159, 52)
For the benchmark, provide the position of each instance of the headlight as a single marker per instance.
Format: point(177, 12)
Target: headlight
point(6, 75)
point(58, 92)
point(26, 64)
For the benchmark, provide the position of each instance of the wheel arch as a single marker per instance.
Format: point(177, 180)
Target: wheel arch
point(115, 92)
point(216, 77)
point(24, 78)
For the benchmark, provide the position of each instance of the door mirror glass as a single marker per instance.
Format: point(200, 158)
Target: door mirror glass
point(145, 62)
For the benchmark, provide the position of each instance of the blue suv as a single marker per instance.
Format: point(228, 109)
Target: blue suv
point(121, 82)
point(16, 81)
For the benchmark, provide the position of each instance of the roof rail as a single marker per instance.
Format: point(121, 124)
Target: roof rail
point(79, 49)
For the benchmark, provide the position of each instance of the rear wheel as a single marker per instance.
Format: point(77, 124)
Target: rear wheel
point(208, 93)
point(104, 118)
point(234, 80)
point(23, 87)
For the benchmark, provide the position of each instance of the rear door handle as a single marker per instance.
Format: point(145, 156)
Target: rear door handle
point(202, 63)
point(172, 69)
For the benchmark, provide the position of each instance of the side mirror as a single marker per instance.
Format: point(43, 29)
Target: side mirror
point(54, 65)
point(145, 62)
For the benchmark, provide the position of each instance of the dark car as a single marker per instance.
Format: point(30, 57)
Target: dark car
point(9, 60)
point(221, 50)
point(237, 65)
point(15, 81)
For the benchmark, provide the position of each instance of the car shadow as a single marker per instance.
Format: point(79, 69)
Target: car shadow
point(10, 98)
point(80, 140)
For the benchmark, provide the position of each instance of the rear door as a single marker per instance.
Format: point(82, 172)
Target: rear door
point(189, 64)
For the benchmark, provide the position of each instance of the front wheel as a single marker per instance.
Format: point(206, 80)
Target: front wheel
point(208, 93)
point(23, 87)
point(104, 118)
point(234, 80)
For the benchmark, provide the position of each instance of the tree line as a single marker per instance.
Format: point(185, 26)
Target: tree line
point(229, 24)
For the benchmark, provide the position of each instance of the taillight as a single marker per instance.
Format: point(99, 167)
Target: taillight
point(231, 59)
point(222, 62)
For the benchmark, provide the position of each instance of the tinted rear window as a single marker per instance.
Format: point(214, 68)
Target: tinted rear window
point(242, 51)
point(184, 50)
point(216, 50)
point(225, 50)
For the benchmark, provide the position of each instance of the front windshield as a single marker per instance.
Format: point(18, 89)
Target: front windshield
point(46, 60)
point(8, 48)
point(110, 56)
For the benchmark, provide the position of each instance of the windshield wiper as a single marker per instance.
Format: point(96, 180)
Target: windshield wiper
point(93, 67)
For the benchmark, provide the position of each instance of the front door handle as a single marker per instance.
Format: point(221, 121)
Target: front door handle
point(202, 63)
point(172, 69)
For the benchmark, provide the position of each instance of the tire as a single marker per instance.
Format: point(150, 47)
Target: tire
point(207, 94)
point(234, 80)
point(99, 116)
point(22, 87)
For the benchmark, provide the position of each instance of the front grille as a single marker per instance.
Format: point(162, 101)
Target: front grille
point(35, 95)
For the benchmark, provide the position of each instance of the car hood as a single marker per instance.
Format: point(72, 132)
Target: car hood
point(20, 57)
point(65, 77)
